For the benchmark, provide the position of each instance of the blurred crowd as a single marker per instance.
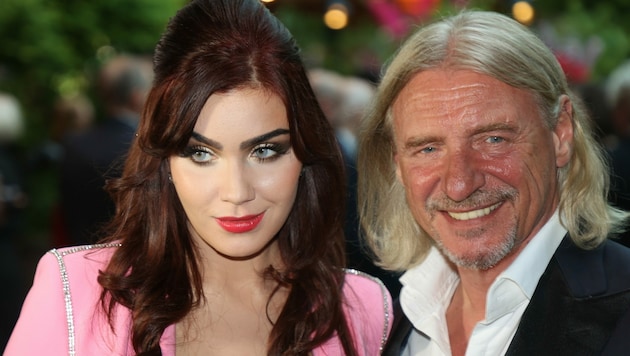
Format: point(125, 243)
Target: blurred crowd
point(84, 148)
point(89, 137)
point(609, 105)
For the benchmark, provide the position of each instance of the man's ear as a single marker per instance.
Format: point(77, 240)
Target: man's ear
point(563, 132)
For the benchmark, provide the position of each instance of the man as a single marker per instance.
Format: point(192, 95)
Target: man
point(479, 177)
point(91, 156)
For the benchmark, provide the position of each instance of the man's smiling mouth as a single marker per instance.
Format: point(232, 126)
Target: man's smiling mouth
point(473, 214)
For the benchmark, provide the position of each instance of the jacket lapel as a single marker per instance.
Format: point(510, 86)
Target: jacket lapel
point(575, 307)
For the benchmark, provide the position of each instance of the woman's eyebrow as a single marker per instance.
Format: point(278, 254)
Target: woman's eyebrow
point(262, 138)
point(245, 144)
point(203, 139)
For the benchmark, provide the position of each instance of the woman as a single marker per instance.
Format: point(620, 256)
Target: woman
point(227, 236)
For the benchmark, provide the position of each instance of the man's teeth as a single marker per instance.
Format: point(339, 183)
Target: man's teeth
point(473, 214)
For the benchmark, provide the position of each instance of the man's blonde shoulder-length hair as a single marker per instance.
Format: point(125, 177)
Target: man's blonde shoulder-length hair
point(495, 45)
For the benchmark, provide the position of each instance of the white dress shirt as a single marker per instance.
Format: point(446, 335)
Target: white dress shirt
point(428, 288)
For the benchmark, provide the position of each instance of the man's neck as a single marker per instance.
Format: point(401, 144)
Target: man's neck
point(468, 305)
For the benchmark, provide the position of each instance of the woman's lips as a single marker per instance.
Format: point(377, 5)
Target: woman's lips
point(240, 224)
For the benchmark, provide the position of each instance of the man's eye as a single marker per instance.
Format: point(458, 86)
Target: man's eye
point(495, 139)
point(429, 149)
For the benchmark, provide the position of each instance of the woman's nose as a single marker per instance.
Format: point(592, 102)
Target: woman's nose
point(235, 184)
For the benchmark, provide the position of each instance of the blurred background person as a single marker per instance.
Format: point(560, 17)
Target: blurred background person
point(594, 97)
point(12, 203)
point(618, 97)
point(93, 156)
point(343, 99)
point(72, 114)
point(330, 89)
point(356, 95)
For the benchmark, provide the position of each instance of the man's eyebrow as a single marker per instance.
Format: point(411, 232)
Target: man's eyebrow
point(499, 126)
point(414, 142)
point(245, 144)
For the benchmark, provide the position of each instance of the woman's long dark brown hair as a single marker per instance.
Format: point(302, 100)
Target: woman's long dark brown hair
point(214, 46)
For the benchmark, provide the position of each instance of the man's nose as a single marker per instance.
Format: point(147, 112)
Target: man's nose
point(462, 175)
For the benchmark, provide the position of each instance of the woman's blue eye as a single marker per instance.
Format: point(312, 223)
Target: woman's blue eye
point(197, 154)
point(270, 151)
point(260, 153)
point(200, 156)
point(264, 152)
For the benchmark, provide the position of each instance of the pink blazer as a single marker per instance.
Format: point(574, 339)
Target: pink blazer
point(61, 315)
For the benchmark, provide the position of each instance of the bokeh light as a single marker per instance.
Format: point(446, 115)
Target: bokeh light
point(523, 12)
point(336, 16)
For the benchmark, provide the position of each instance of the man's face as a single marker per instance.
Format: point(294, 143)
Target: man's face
point(477, 162)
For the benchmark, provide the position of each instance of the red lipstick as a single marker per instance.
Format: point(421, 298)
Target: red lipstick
point(240, 224)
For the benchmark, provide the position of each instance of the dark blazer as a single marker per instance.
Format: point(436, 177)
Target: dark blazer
point(581, 306)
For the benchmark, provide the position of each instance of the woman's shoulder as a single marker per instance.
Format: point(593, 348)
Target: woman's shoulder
point(77, 267)
point(96, 255)
point(359, 282)
point(366, 289)
point(82, 251)
point(369, 306)
point(60, 305)
point(68, 263)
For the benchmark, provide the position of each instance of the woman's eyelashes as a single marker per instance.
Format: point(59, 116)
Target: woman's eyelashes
point(269, 151)
point(198, 154)
point(264, 152)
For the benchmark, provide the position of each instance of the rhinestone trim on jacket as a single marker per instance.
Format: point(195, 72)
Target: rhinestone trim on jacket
point(65, 282)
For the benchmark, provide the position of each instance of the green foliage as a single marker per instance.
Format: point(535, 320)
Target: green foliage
point(361, 44)
point(51, 48)
point(587, 20)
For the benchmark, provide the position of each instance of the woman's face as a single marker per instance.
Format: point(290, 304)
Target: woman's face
point(237, 179)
